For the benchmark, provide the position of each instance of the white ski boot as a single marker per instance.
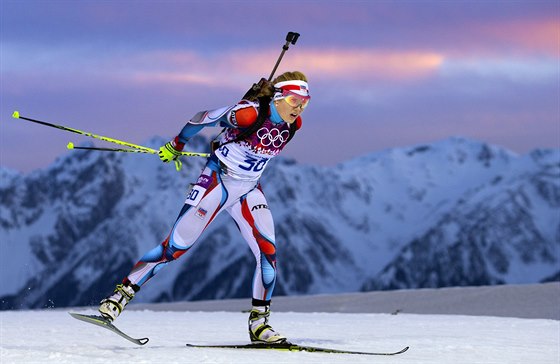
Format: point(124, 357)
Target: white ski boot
point(112, 306)
point(259, 329)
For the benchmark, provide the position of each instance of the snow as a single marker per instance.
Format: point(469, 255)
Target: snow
point(54, 337)
point(342, 321)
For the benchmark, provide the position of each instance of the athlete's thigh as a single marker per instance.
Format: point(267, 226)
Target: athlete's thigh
point(252, 215)
point(194, 219)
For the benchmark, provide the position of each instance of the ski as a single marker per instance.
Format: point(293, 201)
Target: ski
point(101, 321)
point(294, 347)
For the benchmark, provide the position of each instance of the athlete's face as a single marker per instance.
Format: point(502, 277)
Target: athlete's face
point(287, 112)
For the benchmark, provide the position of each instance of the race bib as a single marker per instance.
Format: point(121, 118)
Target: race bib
point(197, 191)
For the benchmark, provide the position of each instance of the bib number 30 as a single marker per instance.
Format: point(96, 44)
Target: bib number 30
point(195, 195)
point(254, 164)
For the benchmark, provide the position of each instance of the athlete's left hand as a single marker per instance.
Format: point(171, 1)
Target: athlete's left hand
point(168, 153)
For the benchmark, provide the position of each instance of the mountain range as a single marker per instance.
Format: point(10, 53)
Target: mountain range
point(456, 212)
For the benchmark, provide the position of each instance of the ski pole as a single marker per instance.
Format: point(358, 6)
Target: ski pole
point(140, 148)
point(16, 115)
point(178, 163)
point(72, 146)
point(147, 150)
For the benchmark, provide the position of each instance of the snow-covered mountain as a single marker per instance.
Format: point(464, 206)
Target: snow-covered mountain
point(455, 212)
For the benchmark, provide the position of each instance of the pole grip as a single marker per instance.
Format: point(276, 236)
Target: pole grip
point(291, 38)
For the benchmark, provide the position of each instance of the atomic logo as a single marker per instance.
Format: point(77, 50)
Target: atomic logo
point(261, 206)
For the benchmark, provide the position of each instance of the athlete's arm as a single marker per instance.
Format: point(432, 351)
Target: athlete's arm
point(240, 115)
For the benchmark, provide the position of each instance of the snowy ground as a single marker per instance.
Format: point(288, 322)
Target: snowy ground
point(55, 337)
point(52, 336)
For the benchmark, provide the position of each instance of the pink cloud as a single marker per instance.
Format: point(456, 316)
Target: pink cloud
point(172, 77)
point(521, 37)
point(231, 68)
point(348, 64)
point(370, 64)
point(542, 36)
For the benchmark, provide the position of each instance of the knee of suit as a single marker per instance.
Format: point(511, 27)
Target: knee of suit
point(155, 254)
point(173, 252)
point(166, 251)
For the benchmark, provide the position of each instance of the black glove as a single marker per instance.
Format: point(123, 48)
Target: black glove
point(263, 88)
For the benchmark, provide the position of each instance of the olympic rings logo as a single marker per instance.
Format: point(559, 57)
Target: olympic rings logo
point(273, 137)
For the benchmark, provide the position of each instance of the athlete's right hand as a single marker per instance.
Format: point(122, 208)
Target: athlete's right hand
point(168, 153)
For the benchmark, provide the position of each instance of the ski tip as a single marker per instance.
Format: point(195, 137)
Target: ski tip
point(15, 114)
point(75, 315)
point(70, 145)
point(143, 341)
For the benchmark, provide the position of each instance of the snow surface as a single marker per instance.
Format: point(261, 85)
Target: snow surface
point(55, 337)
point(52, 336)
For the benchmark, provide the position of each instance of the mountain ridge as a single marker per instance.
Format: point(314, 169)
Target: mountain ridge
point(72, 230)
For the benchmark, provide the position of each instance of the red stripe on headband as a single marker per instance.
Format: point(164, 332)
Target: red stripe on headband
point(291, 87)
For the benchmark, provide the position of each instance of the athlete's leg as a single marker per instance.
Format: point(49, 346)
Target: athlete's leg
point(188, 227)
point(190, 224)
point(255, 222)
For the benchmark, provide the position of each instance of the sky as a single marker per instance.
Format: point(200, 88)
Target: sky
point(382, 74)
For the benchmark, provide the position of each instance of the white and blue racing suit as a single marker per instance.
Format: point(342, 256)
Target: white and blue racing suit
point(230, 182)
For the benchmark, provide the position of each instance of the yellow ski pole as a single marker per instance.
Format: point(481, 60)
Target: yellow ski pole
point(146, 150)
point(178, 163)
point(16, 115)
point(137, 148)
point(71, 146)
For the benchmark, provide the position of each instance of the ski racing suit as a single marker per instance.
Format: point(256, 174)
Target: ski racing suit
point(229, 182)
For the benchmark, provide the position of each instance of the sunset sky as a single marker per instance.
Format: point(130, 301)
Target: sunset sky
point(382, 74)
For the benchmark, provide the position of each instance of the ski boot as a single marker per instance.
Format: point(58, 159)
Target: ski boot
point(112, 306)
point(259, 329)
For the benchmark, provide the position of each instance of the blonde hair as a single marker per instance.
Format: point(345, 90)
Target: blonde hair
point(268, 89)
point(288, 76)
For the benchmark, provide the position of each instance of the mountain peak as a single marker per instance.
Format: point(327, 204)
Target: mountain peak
point(402, 217)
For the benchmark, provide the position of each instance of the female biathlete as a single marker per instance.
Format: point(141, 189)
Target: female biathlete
point(255, 132)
